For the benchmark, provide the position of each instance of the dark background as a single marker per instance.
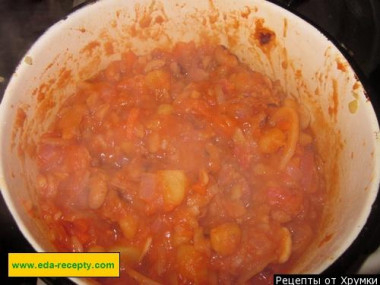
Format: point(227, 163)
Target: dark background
point(353, 25)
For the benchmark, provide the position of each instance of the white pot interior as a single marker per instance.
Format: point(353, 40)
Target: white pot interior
point(308, 66)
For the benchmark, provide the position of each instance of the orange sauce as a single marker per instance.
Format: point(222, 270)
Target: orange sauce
point(191, 165)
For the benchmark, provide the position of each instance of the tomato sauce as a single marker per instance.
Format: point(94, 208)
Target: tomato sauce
point(197, 169)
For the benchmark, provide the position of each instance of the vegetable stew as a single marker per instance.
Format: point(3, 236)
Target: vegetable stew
point(197, 169)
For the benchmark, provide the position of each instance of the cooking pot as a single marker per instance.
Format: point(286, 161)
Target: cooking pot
point(268, 38)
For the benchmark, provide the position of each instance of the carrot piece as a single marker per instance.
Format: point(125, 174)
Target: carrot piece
point(128, 60)
point(157, 80)
point(131, 122)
